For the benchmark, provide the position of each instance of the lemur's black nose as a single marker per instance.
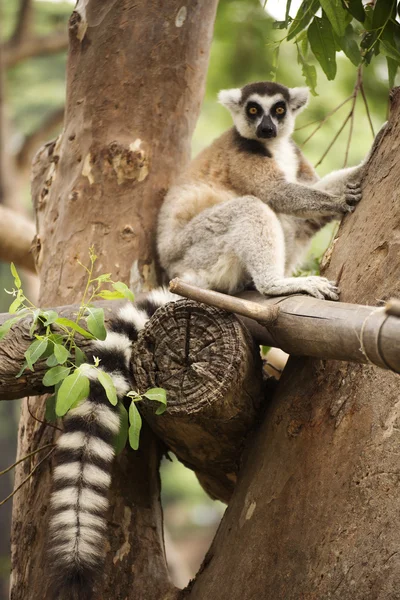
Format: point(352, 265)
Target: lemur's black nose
point(266, 129)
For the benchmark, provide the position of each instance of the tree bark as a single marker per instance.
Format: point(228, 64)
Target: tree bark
point(135, 81)
point(315, 511)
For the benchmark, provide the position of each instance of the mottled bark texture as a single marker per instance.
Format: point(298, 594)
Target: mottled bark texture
point(135, 81)
point(315, 512)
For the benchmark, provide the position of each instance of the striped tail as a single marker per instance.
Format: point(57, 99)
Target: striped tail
point(84, 459)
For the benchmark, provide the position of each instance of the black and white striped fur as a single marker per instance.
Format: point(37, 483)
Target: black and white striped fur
point(84, 458)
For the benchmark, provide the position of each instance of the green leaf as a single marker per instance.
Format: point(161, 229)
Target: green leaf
point(108, 385)
point(73, 389)
point(95, 322)
point(124, 290)
point(35, 351)
point(322, 42)
point(72, 325)
point(309, 73)
point(35, 316)
point(14, 306)
point(392, 70)
point(22, 369)
point(122, 435)
point(80, 357)
point(55, 375)
point(382, 12)
point(336, 14)
point(349, 46)
point(50, 414)
point(390, 51)
point(14, 273)
point(61, 353)
point(49, 316)
point(51, 361)
point(6, 326)
point(304, 15)
point(135, 421)
point(106, 277)
point(356, 8)
point(109, 295)
point(157, 395)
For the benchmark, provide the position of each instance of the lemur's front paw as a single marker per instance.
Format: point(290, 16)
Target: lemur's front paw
point(320, 287)
point(353, 193)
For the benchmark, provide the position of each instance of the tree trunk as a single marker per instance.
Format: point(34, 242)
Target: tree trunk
point(315, 511)
point(136, 74)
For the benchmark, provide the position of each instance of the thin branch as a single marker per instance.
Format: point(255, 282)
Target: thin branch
point(323, 120)
point(25, 458)
point(27, 478)
point(367, 108)
point(334, 140)
point(40, 135)
point(38, 46)
point(45, 423)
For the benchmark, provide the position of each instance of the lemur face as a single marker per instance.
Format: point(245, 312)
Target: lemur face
point(264, 110)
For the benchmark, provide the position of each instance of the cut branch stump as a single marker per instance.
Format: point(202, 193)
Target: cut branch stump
point(211, 369)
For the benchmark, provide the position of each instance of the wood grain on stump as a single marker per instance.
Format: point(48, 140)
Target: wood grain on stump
point(210, 367)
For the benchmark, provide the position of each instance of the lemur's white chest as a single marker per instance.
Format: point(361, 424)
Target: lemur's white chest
point(284, 153)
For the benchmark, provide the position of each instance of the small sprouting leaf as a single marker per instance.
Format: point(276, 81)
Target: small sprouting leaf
point(49, 316)
point(124, 290)
point(73, 389)
point(122, 435)
point(322, 42)
point(106, 277)
point(80, 357)
point(14, 273)
point(50, 414)
point(307, 10)
point(55, 375)
point(135, 421)
point(35, 351)
point(6, 326)
point(61, 353)
point(135, 395)
point(109, 295)
point(72, 325)
point(95, 322)
point(108, 385)
point(14, 306)
point(157, 395)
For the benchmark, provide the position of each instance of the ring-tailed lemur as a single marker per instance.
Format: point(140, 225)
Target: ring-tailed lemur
point(84, 458)
point(248, 205)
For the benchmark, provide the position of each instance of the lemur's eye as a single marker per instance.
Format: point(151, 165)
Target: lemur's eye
point(253, 110)
point(279, 110)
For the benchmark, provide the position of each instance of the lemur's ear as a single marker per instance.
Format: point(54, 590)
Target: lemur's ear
point(230, 98)
point(298, 98)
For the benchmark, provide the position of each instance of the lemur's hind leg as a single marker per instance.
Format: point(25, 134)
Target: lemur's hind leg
point(239, 241)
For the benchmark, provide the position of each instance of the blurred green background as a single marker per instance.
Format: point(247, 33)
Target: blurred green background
point(241, 52)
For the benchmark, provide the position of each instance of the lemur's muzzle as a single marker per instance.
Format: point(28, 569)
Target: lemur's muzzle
point(266, 129)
